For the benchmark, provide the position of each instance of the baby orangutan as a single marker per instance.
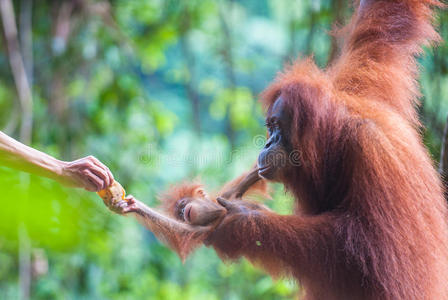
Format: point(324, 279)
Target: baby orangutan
point(190, 214)
point(189, 203)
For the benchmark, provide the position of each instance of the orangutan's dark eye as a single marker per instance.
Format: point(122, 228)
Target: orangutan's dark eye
point(182, 213)
point(180, 208)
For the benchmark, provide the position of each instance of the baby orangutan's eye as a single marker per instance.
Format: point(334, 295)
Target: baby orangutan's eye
point(182, 213)
point(181, 208)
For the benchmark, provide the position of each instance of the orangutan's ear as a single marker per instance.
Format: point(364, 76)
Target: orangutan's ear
point(200, 192)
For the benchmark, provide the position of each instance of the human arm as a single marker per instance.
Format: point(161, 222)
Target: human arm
point(87, 172)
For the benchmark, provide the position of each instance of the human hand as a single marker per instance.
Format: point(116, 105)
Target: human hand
point(88, 173)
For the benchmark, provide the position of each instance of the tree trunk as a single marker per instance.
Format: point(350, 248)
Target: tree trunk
point(22, 82)
point(229, 67)
point(26, 37)
point(18, 69)
point(309, 39)
point(443, 164)
point(338, 12)
point(190, 83)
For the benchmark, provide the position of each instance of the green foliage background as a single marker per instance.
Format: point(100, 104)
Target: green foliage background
point(160, 91)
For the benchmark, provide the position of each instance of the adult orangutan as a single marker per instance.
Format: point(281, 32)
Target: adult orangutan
point(370, 219)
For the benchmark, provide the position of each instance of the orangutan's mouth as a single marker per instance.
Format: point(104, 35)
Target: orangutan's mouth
point(265, 170)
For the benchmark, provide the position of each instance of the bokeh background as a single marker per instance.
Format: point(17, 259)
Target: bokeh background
point(160, 91)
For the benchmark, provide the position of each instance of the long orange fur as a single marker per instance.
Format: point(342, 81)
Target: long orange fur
point(370, 219)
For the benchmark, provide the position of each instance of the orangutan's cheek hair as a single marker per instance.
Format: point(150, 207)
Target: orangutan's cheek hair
point(371, 220)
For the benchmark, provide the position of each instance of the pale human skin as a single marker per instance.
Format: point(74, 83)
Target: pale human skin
point(87, 173)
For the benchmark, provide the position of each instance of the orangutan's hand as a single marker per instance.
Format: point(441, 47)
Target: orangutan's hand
point(240, 206)
point(121, 207)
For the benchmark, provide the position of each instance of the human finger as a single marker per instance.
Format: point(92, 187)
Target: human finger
point(100, 173)
point(94, 179)
point(109, 176)
point(88, 185)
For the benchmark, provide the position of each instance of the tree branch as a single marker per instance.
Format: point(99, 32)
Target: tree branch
point(26, 103)
point(18, 69)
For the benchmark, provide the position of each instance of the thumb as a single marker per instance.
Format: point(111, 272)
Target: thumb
point(226, 203)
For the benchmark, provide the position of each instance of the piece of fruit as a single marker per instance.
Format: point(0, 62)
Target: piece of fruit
point(112, 194)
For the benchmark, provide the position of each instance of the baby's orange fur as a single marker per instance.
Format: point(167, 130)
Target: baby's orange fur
point(185, 242)
point(183, 190)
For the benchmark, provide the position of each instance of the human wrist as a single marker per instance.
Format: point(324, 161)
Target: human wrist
point(60, 167)
point(55, 168)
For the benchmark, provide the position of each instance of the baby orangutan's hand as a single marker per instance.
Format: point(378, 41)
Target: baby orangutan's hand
point(239, 206)
point(121, 207)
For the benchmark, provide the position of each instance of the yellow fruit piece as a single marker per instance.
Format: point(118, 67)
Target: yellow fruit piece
point(112, 194)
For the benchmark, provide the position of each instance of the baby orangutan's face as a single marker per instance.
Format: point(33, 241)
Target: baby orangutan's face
point(198, 210)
